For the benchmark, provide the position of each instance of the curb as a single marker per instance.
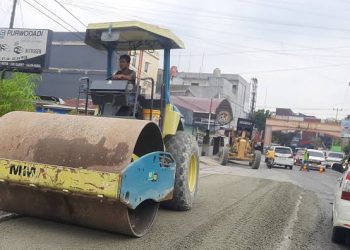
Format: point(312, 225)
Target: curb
point(7, 216)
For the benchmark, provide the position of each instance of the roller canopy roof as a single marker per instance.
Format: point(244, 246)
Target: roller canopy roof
point(133, 35)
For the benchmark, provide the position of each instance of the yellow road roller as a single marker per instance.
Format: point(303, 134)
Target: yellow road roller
point(110, 171)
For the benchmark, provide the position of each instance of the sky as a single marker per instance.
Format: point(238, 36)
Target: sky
point(299, 50)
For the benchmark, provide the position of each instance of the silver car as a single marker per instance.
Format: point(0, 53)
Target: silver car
point(334, 157)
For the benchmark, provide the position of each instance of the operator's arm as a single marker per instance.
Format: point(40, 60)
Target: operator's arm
point(117, 77)
point(122, 77)
point(129, 77)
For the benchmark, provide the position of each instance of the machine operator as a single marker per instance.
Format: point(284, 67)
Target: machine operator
point(125, 73)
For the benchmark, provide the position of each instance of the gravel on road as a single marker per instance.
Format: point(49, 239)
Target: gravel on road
point(231, 212)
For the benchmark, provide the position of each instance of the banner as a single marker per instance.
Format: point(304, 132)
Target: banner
point(24, 49)
point(345, 129)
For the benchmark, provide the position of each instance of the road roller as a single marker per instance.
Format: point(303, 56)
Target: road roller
point(110, 171)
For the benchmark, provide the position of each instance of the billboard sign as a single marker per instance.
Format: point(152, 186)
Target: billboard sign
point(345, 129)
point(202, 119)
point(245, 124)
point(24, 50)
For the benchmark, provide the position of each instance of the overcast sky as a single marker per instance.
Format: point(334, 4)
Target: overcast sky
point(298, 49)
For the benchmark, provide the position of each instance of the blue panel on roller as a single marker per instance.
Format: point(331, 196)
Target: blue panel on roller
point(151, 177)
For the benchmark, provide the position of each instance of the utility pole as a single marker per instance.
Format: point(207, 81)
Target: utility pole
point(337, 110)
point(13, 13)
point(254, 93)
point(209, 118)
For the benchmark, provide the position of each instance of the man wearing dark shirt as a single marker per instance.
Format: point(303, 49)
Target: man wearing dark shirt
point(125, 73)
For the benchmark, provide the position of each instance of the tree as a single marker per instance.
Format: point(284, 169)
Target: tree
point(17, 93)
point(259, 118)
point(346, 148)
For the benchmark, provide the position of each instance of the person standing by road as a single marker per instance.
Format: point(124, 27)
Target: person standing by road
point(305, 161)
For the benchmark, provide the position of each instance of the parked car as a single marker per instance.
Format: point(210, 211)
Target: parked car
point(299, 157)
point(334, 157)
point(279, 156)
point(316, 159)
point(341, 209)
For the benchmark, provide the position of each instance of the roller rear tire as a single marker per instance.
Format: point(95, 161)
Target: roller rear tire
point(184, 149)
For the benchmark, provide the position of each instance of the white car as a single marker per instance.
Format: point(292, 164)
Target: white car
point(334, 157)
point(316, 159)
point(341, 209)
point(283, 156)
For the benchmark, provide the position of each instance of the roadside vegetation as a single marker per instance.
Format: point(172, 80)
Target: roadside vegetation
point(18, 93)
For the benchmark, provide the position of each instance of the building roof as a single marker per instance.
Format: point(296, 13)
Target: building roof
point(197, 104)
point(206, 76)
point(289, 112)
point(284, 112)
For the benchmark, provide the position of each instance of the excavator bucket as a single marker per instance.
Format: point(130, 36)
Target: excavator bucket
point(104, 173)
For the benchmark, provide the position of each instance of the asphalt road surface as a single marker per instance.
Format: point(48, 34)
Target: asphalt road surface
point(237, 208)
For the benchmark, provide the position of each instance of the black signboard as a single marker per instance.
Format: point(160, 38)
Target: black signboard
point(245, 124)
point(24, 50)
point(202, 119)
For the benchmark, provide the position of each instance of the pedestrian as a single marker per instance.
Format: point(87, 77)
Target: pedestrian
point(346, 162)
point(305, 161)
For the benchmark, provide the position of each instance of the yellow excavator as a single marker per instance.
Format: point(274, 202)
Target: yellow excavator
point(110, 171)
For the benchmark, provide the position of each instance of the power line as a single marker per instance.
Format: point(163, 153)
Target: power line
point(296, 108)
point(279, 51)
point(270, 5)
point(53, 13)
point(80, 38)
point(283, 53)
point(234, 17)
point(182, 26)
point(299, 68)
point(71, 13)
point(256, 50)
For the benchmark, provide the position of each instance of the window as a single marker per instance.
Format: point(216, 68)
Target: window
point(336, 155)
point(316, 154)
point(281, 150)
point(194, 83)
point(147, 66)
point(133, 61)
point(234, 89)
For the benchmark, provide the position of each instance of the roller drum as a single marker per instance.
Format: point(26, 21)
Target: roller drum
point(91, 143)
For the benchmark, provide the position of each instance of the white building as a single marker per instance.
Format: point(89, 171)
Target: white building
point(145, 64)
point(216, 85)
